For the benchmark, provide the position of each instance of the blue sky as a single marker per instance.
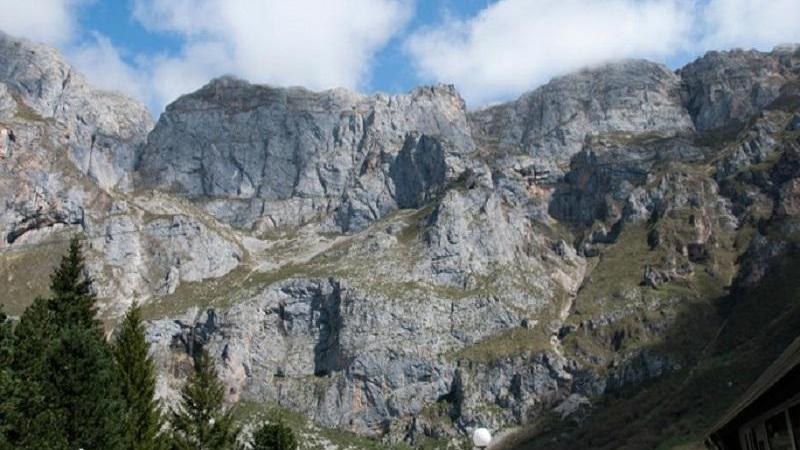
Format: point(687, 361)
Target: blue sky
point(492, 50)
point(392, 71)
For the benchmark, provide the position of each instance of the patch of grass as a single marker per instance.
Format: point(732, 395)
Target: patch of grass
point(625, 138)
point(343, 259)
point(220, 292)
point(347, 440)
point(26, 274)
point(719, 137)
point(414, 225)
point(676, 411)
point(511, 342)
point(310, 436)
point(617, 271)
point(787, 102)
point(25, 112)
point(614, 314)
point(533, 338)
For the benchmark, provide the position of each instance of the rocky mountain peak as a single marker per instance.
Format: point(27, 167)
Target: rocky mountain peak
point(726, 88)
point(551, 122)
point(396, 266)
point(247, 152)
point(103, 129)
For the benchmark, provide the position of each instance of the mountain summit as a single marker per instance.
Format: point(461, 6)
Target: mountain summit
point(592, 265)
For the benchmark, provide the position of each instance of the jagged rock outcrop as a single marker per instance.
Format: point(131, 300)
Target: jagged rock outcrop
point(349, 352)
point(344, 358)
point(551, 122)
point(725, 89)
point(264, 157)
point(101, 129)
point(66, 167)
point(396, 266)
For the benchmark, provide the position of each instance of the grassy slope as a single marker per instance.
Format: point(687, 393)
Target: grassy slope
point(726, 340)
point(675, 411)
point(25, 274)
point(313, 437)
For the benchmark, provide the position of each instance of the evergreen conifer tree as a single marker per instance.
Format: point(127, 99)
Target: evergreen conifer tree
point(70, 397)
point(274, 436)
point(34, 332)
point(36, 425)
point(8, 385)
point(6, 341)
point(200, 422)
point(80, 385)
point(72, 301)
point(143, 418)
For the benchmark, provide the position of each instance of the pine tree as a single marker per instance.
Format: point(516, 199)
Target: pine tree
point(34, 332)
point(143, 418)
point(73, 302)
point(80, 385)
point(8, 385)
point(6, 340)
point(274, 436)
point(70, 397)
point(36, 426)
point(200, 422)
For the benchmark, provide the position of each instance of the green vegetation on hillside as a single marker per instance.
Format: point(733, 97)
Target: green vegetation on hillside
point(675, 411)
point(64, 386)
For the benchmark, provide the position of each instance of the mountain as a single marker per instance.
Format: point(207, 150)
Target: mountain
point(603, 263)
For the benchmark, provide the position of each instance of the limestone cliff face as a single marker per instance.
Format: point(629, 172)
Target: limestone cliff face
point(264, 157)
point(725, 89)
point(67, 165)
point(552, 122)
point(102, 130)
point(397, 266)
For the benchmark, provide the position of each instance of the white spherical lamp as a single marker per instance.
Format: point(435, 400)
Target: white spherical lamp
point(481, 437)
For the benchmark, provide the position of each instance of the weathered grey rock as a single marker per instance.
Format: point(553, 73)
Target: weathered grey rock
point(754, 146)
point(794, 124)
point(574, 406)
point(343, 358)
point(67, 151)
point(253, 153)
point(551, 122)
point(725, 89)
point(101, 129)
point(8, 106)
point(394, 266)
point(140, 258)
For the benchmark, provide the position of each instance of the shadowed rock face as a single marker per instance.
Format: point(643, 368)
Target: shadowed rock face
point(399, 267)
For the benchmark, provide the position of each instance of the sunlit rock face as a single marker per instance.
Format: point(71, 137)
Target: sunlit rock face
point(257, 156)
point(553, 121)
point(726, 89)
point(399, 266)
point(66, 165)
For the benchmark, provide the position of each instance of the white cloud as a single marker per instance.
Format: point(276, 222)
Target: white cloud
point(48, 21)
point(760, 24)
point(171, 77)
point(509, 47)
point(514, 45)
point(314, 43)
point(55, 23)
point(104, 67)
